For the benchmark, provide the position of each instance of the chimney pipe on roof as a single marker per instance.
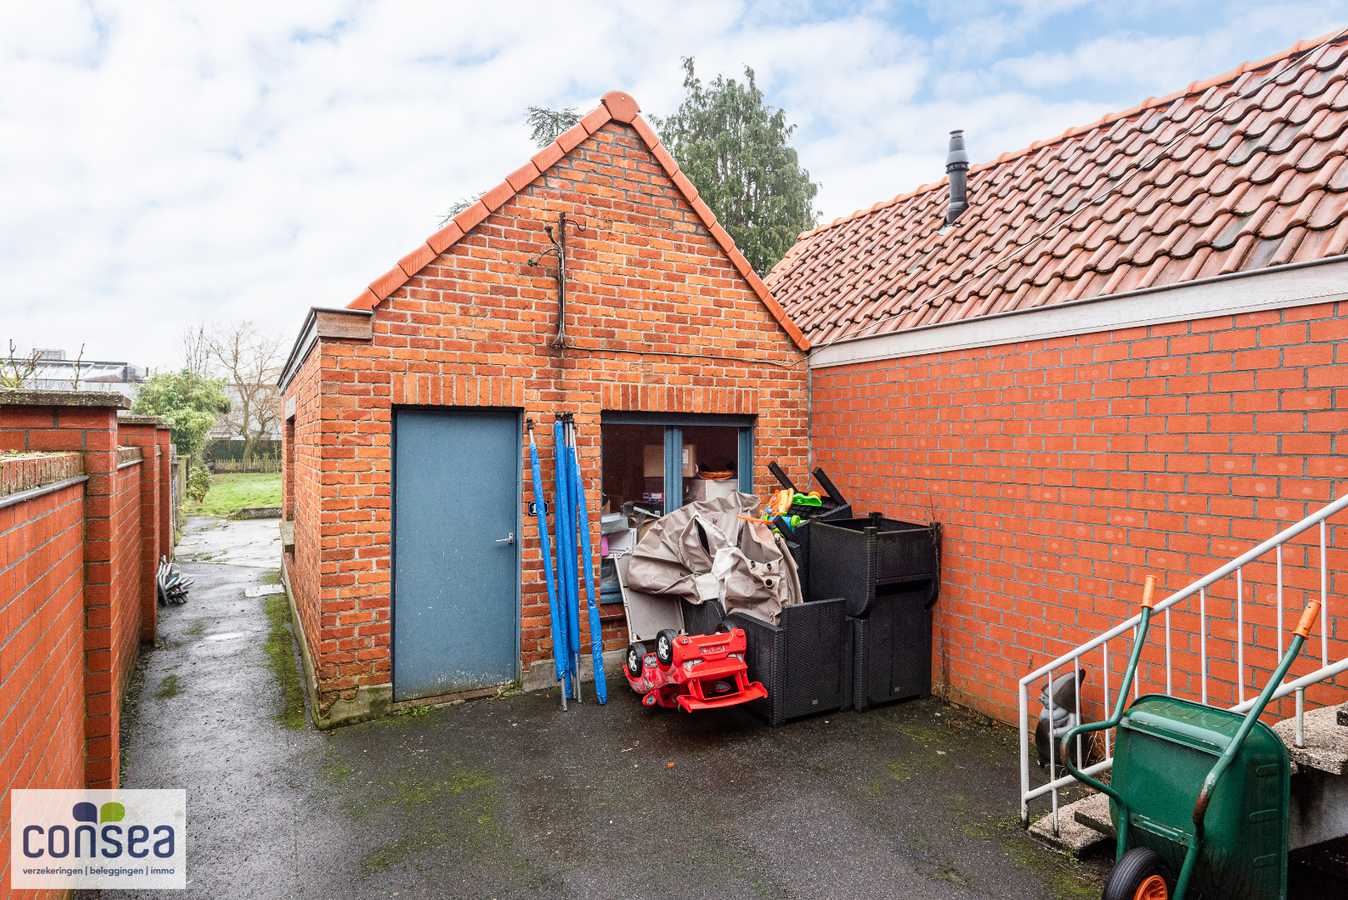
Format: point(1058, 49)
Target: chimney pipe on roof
point(957, 167)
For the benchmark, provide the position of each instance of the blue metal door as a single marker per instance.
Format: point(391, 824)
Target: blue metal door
point(456, 502)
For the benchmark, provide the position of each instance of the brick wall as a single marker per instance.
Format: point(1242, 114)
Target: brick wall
point(41, 642)
point(659, 319)
point(302, 494)
point(1066, 470)
point(110, 529)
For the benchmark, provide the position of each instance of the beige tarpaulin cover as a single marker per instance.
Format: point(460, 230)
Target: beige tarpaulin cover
point(703, 551)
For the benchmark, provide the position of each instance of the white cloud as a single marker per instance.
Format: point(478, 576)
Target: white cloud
point(163, 164)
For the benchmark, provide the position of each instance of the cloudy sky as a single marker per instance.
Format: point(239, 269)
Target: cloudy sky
point(164, 164)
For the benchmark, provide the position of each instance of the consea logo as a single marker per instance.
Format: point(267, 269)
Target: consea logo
point(98, 839)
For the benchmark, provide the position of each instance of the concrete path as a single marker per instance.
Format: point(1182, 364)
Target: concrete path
point(511, 798)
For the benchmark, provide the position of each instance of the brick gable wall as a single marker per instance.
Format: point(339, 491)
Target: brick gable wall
point(659, 320)
point(1066, 470)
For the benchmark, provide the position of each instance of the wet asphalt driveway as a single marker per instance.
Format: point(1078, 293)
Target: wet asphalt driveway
point(510, 797)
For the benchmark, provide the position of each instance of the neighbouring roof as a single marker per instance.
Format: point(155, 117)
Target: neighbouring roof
point(1241, 172)
point(616, 106)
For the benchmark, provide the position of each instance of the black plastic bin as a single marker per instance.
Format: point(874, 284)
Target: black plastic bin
point(888, 572)
point(891, 649)
point(805, 662)
point(702, 618)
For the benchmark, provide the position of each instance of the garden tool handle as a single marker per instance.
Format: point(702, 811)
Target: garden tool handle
point(1308, 619)
point(1210, 783)
point(1148, 590)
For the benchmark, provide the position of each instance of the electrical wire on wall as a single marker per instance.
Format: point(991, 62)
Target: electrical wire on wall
point(559, 247)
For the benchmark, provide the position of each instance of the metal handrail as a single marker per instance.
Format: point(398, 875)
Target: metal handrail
point(1198, 587)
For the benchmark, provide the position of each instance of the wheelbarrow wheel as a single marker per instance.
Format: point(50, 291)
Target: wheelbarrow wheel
point(636, 659)
point(1140, 875)
point(664, 646)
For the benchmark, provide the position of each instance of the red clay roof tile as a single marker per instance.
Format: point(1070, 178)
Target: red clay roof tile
point(417, 260)
point(366, 300)
point(444, 238)
point(521, 177)
point(470, 217)
point(1241, 171)
point(621, 106)
point(498, 195)
point(389, 282)
point(572, 138)
point(545, 159)
point(595, 119)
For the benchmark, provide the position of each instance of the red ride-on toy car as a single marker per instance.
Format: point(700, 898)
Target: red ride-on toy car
point(689, 671)
point(692, 671)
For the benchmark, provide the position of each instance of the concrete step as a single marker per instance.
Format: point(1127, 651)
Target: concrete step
point(1079, 826)
point(1326, 744)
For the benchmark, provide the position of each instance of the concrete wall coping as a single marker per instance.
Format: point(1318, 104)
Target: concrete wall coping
point(125, 419)
point(12, 397)
point(26, 471)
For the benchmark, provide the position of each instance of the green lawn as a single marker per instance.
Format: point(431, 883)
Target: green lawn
point(233, 492)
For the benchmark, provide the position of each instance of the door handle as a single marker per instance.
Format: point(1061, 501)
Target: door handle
point(508, 539)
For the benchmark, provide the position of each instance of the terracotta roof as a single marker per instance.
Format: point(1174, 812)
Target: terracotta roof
point(616, 106)
point(1240, 172)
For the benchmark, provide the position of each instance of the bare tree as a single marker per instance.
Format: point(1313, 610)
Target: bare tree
point(18, 371)
point(252, 363)
point(79, 367)
point(195, 343)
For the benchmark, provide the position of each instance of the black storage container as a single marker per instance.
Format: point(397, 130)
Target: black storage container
point(858, 558)
point(891, 649)
point(805, 662)
point(702, 618)
point(888, 571)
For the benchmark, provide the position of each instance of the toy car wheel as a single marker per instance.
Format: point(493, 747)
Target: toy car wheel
point(636, 659)
point(1140, 874)
point(664, 646)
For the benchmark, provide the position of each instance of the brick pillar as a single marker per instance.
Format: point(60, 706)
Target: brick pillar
point(142, 432)
point(163, 437)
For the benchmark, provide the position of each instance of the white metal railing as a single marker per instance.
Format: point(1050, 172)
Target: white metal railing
point(1199, 589)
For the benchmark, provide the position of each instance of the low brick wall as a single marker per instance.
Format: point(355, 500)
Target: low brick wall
point(41, 649)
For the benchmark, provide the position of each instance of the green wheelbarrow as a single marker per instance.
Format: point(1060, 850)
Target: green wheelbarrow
point(1199, 794)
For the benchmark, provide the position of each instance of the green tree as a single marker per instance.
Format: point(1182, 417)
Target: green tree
point(734, 148)
point(189, 401)
point(549, 123)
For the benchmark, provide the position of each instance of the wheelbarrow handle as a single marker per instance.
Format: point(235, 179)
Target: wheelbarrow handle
point(1064, 748)
point(1215, 775)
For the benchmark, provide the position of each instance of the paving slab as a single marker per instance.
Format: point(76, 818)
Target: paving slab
point(1326, 741)
point(1081, 827)
point(252, 543)
point(512, 798)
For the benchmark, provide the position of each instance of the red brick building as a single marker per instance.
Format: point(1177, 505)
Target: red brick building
point(1127, 356)
point(669, 350)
